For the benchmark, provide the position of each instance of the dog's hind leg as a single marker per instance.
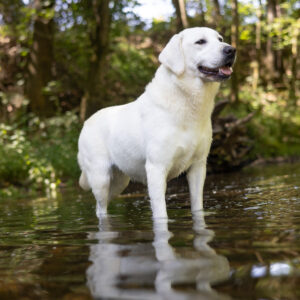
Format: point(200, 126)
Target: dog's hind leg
point(119, 182)
point(83, 181)
point(99, 181)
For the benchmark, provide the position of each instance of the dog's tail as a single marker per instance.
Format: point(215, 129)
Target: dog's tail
point(83, 182)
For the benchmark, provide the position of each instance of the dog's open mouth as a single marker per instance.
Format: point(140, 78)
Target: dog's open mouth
point(223, 72)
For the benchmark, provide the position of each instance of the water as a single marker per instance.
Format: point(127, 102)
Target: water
point(245, 246)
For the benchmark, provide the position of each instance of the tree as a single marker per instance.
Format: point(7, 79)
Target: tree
point(202, 13)
point(11, 13)
point(235, 44)
point(217, 15)
point(99, 38)
point(278, 52)
point(293, 80)
point(10, 16)
point(257, 62)
point(41, 57)
point(181, 17)
point(270, 60)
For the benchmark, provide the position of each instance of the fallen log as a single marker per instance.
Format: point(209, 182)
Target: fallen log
point(231, 145)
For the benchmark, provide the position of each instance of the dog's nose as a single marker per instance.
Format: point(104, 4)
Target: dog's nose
point(229, 51)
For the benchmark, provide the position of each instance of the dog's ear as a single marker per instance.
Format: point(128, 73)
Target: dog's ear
point(172, 55)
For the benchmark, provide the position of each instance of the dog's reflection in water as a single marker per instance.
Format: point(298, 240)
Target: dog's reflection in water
point(139, 271)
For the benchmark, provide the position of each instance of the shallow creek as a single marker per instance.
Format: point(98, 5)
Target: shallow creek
point(246, 244)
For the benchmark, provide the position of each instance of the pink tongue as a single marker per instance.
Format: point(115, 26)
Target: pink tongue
point(226, 70)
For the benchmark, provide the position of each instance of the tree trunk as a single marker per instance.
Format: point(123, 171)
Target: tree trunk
point(41, 59)
point(11, 14)
point(278, 53)
point(217, 15)
point(235, 44)
point(271, 10)
point(181, 17)
point(293, 92)
point(202, 14)
point(94, 96)
point(257, 61)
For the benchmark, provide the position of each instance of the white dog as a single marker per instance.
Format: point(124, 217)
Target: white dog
point(166, 131)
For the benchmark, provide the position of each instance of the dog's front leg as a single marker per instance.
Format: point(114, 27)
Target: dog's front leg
point(196, 177)
point(156, 182)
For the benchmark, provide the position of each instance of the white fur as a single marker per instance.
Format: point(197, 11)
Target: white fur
point(165, 132)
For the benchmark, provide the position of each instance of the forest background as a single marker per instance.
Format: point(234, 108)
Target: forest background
point(62, 60)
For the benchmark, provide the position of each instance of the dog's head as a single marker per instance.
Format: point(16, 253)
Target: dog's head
point(201, 52)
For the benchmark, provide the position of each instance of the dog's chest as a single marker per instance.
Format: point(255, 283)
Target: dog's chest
point(189, 146)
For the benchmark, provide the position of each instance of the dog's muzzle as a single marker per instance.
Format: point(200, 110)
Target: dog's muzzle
point(225, 70)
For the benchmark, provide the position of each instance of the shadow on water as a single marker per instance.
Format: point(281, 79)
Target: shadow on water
point(245, 246)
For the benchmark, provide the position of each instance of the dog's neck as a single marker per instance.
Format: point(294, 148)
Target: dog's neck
point(197, 94)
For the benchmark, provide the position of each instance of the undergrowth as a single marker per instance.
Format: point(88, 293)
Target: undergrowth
point(38, 155)
point(275, 127)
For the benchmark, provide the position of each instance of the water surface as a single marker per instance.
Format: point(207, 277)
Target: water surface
point(244, 246)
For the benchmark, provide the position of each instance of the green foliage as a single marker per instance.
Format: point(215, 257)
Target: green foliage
point(20, 165)
point(130, 70)
point(40, 156)
point(276, 125)
point(284, 27)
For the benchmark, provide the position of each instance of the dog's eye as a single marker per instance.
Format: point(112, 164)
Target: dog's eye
point(220, 39)
point(201, 42)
